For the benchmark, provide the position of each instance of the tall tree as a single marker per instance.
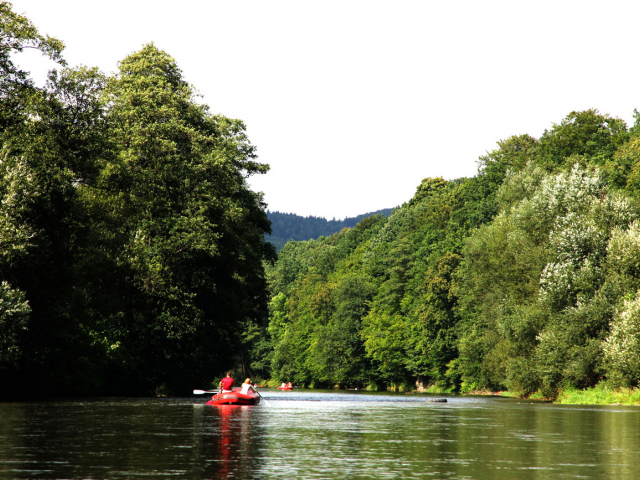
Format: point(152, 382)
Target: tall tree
point(182, 226)
point(34, 144)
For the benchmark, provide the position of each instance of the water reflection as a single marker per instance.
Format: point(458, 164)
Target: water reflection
point(318, 435)
point(226, 440)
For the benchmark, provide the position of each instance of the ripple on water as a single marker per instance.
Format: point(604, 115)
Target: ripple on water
point(314, 434)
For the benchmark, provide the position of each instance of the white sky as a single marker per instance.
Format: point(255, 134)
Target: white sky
point(353, 103)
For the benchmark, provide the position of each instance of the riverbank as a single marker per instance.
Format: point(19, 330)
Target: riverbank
point(599, 395)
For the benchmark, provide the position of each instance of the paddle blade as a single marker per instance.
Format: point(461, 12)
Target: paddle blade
point(266, 402)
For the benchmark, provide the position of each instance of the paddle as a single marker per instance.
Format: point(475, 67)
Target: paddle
point(265, 400)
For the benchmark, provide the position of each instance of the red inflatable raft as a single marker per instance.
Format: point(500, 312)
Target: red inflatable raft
point(285, 388)
point(235, 398)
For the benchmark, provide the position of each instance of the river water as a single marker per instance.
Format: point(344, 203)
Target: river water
point(311, 434)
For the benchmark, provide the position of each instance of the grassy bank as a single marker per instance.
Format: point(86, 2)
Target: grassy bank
point(600, 395)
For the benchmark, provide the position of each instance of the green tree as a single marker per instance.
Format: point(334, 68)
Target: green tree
point(50, 214)
point(18, 33)
point(431, 339)
point(622, 345)
point(14, 320)
point(17, 189)
point(320, 295)
point(131, 246)
point(183, 228)
point(588, 133)
point(538, 298)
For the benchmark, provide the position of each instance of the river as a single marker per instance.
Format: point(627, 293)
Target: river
point(315, 434)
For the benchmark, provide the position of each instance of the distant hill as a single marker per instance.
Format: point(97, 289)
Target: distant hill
point(289, 226)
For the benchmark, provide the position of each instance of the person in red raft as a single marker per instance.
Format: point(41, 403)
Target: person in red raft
point(226, 384)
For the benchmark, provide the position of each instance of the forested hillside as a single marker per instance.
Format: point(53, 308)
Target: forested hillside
point(289, 226)
point(525, 277)
point(134, 257)
point(131, 247)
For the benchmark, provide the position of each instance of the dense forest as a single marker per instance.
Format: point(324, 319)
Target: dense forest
point(134, 257)
point(289, 226)
point(525, 277)
point(131, 248)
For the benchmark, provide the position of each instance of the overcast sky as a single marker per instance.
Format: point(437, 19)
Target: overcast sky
point(353, 103)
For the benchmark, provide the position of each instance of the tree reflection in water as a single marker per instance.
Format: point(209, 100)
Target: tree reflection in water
point(228, 444)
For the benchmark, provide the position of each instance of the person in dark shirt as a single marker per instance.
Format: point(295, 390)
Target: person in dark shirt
point(226, 384)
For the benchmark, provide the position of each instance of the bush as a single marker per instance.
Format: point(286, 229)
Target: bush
point(622, 346)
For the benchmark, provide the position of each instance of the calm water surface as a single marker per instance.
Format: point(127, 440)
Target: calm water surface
point(318, 434)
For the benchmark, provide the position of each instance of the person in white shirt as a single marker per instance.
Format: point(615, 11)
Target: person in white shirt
point(246, 387)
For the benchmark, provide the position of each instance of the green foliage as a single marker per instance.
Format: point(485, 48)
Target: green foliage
point(14, 320)
point(507, 280)
point(427, 188)
point(188, 231)
point(133, 256)
point(127, 224)
point(601, 394)
point(588, 133)
point(622, 346)
point(16, 88)
point(289, 226)
point(405, 323)
point(316, 309)
point(623, 170)
point(538, 298)
point(18, 190)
